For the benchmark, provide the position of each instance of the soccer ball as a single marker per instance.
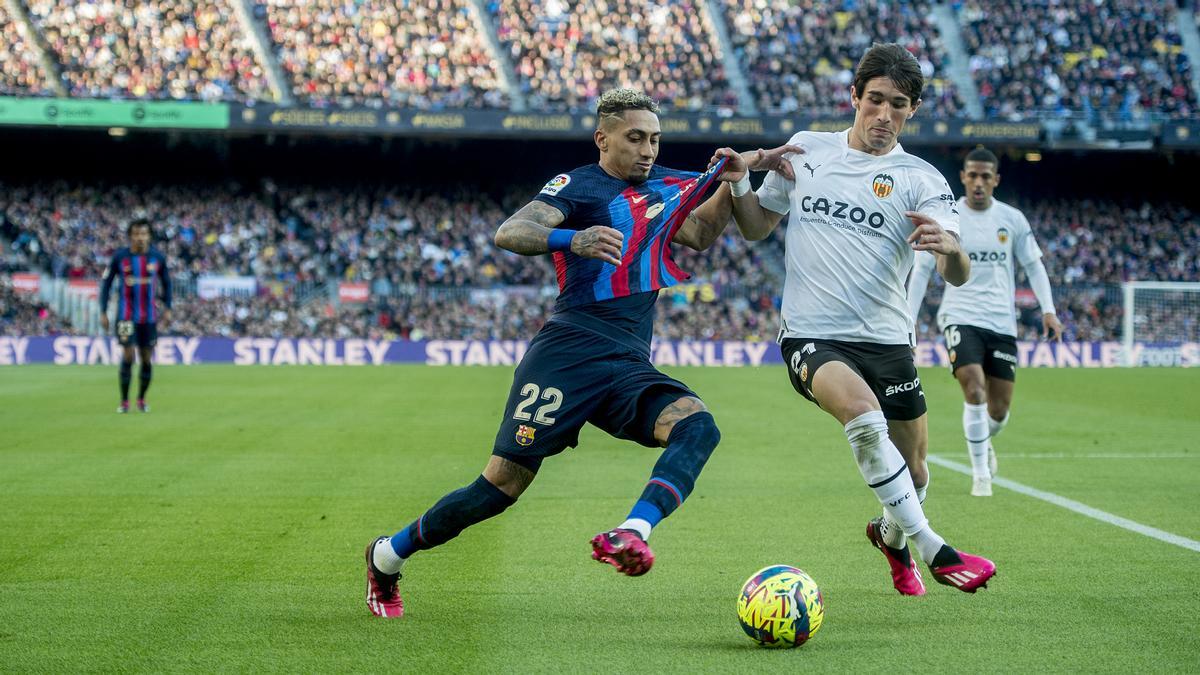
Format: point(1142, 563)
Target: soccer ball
point(780, 606)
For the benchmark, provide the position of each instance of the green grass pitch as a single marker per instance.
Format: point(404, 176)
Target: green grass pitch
point(224, 531)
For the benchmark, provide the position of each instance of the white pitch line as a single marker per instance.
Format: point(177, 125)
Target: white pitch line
point(1077, 507)
point(1101, 455)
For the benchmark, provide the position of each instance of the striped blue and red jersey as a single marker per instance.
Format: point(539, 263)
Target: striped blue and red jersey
point(648, 214)
point(138, 276)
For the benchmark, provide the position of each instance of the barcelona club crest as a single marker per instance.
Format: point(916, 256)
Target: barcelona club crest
point(882, 185)
point(525, 435)
point(1002, 235)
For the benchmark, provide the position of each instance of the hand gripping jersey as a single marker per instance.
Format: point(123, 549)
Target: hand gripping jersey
point(648, 214)
point(992, 238)
point(847, 249)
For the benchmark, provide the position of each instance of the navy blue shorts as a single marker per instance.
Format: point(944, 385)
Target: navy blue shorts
point(571, 376)
point(141, 335)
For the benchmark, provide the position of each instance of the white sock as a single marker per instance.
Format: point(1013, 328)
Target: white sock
point(385, 558)
point(642, 527)
point(975, 426)
point(924, 488)
point(927, 543)
point(883, 467)
point(995, 427)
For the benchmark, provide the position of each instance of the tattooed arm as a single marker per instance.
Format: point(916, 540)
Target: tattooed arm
point(527, 232)
point(706, 222)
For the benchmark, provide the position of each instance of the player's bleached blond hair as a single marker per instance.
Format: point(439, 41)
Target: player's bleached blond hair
point(616, 101)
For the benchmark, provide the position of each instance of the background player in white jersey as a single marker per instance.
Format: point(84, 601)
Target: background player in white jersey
point(860, 207)
point(978, 318)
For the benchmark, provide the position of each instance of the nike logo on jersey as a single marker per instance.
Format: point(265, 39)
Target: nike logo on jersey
point(638, 199)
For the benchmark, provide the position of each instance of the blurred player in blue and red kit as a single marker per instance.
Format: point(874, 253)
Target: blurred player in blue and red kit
point(138, 270)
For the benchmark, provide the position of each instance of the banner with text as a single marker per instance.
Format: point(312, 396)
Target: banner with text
point(68, 349)
point(476, 123)
point(63, 112)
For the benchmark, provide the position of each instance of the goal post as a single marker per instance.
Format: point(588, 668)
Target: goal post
point(1163, 313)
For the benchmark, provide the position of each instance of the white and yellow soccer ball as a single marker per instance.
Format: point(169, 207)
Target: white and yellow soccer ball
point(780, 606)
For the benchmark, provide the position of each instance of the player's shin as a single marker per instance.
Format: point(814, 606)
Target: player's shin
point(452, 514)
point(975, 428)
point(144, 379)
point(689, 446)
point(996, 426)
point(886, 473)
point(124, 376)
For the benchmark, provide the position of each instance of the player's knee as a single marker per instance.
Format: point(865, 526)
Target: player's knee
point(998, 411)
point(697, 432)
point(975, 394)
point(512, 475)
point(920, 475)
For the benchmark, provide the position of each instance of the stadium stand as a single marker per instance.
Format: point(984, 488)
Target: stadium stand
point(156, 49)
point(1120, 58)
point(20, 74)
point(421, 251)
point(421, 54)
point(23, 314)
point(800, 56)
point(565, 53)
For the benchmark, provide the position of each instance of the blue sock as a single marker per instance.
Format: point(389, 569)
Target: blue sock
point(691, 443)
point(451, 515)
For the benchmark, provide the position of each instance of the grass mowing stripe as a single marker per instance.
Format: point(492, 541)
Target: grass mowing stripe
point(1077, 507)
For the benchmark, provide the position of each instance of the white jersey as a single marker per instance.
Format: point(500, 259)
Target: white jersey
point(992, 239)
point(847, 249)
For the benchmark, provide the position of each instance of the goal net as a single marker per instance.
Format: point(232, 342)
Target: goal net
point(1161, 323)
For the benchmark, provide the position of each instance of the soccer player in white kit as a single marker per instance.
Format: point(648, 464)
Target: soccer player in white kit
point(978, 318)
point(860, 207)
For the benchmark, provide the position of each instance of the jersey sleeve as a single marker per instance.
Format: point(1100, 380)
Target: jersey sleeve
point(775, 193)
point(1025, 247)
point(106, 283)
point(564, 192)
point(934, 198)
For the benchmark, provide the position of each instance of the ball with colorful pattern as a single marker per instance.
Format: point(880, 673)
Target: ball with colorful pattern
point(780, 606)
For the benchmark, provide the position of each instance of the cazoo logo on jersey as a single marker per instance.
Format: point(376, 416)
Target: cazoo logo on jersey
point(988, 256)
point(842, 210)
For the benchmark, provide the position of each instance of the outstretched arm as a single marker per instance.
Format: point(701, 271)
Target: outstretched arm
point(710, 219)
point(533, 231)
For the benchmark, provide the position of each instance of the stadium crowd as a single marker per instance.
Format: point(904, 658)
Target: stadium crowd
point(566, 52)
point(1121, 58)
point(800, 56)
point(152, 49)
point(20, 74)
point(420, 53)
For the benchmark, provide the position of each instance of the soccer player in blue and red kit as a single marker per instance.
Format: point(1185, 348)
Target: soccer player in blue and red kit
point(609, 227)
point(137, 271)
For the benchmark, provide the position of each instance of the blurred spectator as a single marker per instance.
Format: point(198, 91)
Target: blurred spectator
point(20, 73)
point(1119, 59)
point(412, 53)
point(24, 314)
point(567, 53)
point(800, 55)
point(153, 49)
